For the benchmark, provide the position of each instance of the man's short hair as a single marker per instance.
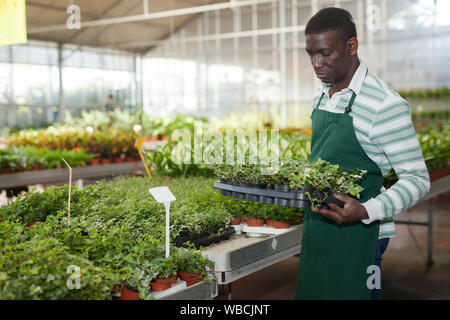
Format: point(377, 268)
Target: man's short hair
point(331, 19)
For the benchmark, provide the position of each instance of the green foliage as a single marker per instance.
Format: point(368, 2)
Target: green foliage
point(279, 213)
point(192, 261)
point(27, 157)
point(435, 144)
point(35, 206)
point(439, 93)
point(323, 176)
point(116, 234)
point(38, 269)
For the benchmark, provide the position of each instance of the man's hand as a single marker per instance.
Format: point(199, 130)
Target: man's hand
point(352, 211)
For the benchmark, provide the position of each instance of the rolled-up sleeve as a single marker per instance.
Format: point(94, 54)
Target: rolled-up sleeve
point(393, 133)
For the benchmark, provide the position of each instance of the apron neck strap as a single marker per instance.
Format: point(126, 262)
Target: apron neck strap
point(350, 104)
point(348, 109)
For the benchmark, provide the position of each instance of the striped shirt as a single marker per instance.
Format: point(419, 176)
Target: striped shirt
point(383, 127)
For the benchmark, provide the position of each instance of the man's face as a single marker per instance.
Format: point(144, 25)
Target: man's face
point(330, 55)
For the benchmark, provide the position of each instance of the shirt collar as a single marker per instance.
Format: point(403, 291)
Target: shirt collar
point(356, 82)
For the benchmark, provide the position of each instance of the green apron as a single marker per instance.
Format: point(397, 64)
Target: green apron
point(334, 257)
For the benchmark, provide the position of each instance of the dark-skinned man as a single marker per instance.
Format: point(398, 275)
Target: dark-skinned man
point(358, 122)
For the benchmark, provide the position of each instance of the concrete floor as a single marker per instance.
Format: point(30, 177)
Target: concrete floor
point(405, 274)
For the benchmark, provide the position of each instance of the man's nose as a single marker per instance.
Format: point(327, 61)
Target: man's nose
point(317, 62)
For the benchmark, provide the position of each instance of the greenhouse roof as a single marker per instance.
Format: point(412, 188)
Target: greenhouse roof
point(131, 25)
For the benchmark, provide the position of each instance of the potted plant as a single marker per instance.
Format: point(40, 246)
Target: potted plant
point(130, 290)
point(192, 265)
point(282, 217)
point(164, 273)
point(255, 214)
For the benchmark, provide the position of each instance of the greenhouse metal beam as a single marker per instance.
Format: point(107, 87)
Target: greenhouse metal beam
point(212, 37)
point(154, 15)
point(61, 109)
point(87, 14)
point(101, 15)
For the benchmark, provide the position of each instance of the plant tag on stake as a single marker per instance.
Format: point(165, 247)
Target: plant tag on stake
point(70, 188)
point(164, 195)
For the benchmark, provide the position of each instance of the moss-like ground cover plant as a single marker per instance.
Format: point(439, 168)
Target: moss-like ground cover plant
point(114, 224)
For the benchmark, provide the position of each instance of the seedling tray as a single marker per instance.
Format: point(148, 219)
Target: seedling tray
point(295, 199)
point(203, 239)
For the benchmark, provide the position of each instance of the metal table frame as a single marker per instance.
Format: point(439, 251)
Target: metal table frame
point(199, 291)
point(437, 187)
point(261, 253)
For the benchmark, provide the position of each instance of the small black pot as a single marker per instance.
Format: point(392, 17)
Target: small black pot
point(281, 202)
point(300, 204)
point(225, 192)
point(238, 195)
point(281, 188)
point(251, 197)
point(225, 180)
point(266, 200)
point(299, 194)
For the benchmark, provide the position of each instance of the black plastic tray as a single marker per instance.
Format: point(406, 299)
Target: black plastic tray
point(295, 199)
point(203, 239)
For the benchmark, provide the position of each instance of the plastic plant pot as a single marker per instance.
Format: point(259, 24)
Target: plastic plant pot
point(266, 200)
point(127, 294)
point(225, 180)
point(238, 195)
point(299, 194)
point(282, 202)
point(106, 161)
point(269, 223)
point(251, 222)
point(95, 162)
point(299, 203)
point(236, 221)
point(160, 284)
point(440, 173)
point(251, 197)
point(190, 278)
point(281, 224)
point(225, 193)
point(281, 188)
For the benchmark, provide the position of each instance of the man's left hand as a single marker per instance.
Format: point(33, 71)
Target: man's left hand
point(352, 210)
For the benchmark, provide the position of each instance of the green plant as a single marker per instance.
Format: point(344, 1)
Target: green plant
point(283, 214)
point(38, 269)
point(192, 261)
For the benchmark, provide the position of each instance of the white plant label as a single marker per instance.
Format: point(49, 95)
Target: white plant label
point(164, 195)
point(74, 18)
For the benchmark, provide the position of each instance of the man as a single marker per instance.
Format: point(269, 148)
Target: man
point(358, 122)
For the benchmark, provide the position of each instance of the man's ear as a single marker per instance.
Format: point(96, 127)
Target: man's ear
point(352, 46)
